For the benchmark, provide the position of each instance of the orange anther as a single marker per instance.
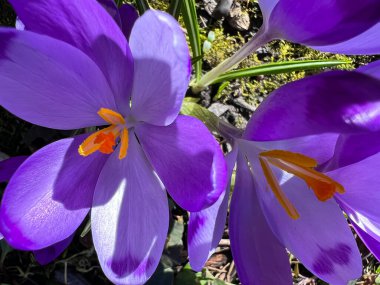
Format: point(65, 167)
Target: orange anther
point(302, 166)
point(106, 139)
point(111, 117)
point(277, 191)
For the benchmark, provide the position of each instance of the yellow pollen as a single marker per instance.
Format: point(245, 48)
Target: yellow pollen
point(302, 166)
point(105, 140)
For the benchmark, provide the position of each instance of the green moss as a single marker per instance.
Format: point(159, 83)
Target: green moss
point(162, 5)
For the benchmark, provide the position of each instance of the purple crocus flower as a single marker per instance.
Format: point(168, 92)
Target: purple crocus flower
point(80, 72)
point(340, 26)
point(306, 151)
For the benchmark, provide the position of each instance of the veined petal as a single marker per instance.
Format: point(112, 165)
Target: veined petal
point(9, 166)
point(97, 36)
point(50, 83)
point(365, 43)
point(162, 68)
point(130, 217)
point(187, 159)
point(338, 20)
point(335, 257)
point(128, 16)
point(372, 69)
point(47, 255)
point(206, 227)
point(331, 102)
point(258, 255)
point(54, 184)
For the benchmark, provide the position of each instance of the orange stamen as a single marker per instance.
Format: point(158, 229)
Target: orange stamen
point(111, 117)
point(302, 166)
point(105, 140)
point(280, 195)
point(124, 141)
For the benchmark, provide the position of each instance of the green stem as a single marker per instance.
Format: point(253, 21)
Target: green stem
point(258, 40)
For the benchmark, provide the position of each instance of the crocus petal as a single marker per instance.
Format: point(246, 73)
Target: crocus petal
point(320, 237)
point(187, 159)
point(331, 102)
point(130, 217)
point(362, 198)
point(128, 16)
point(207, 226)
point(307, 145)
point(372, 244)
point(353, 148)
point(322, 22)
point(54, 184)
point(47, 255)
point(42, 81)
point(259, 257)
point(364, 43)
point(9, 166)
point(267, 7)
point(112, 9)
point(98, 36)
point(372, 69)
point(162, 68)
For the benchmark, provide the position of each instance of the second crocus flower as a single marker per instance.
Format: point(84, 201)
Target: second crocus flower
point(293, 173)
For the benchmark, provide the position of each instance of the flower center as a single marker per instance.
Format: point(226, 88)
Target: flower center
point(106, 139)
point(302, 166)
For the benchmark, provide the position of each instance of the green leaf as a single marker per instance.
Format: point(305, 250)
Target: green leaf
point(278, 67)
point(219, 93)
point(190, 18)
point(175, 8)
point(5, 249)
point(87, 229)
point(142, 6)
point(195, 110)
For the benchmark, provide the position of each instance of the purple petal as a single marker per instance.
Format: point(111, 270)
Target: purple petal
point(128, 15)
point(54, 184)
point(372, 244)
point(259, 257)
point(353, 148)
point(372, 69)
point(362, 196)
point(207, 226)
point(112, 9)
point(162, 68)
point(130, 223)
point(267, 7)
point(50, 83)
point(331, 102)
point(323, 22)
point(320, 237)
point(187, 159)
point(97, 35)
point(365, 43)
point(9, 166)
point(47, 255)
point(310, 146)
